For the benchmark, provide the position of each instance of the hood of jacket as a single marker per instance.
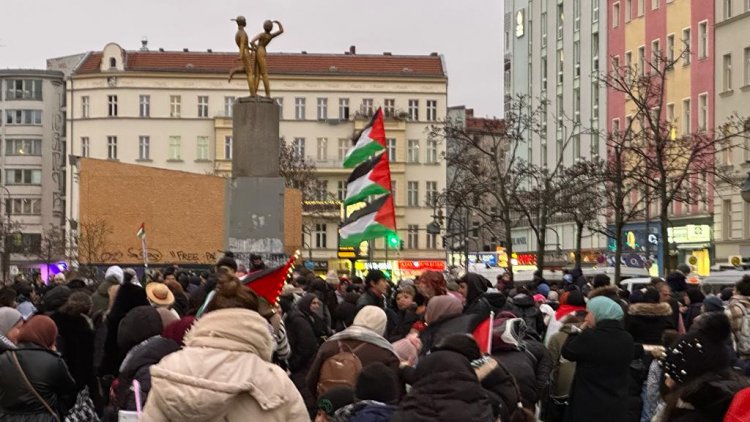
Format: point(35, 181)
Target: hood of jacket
point(148, 352)
point(650, 309)
point(522, 300)
point(226, 357)
point(475, 286)
point(606, 291)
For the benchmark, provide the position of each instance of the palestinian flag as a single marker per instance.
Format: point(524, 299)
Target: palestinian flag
point(375, 220)
point(373, 177)
point(368, 142)
point(141, 233)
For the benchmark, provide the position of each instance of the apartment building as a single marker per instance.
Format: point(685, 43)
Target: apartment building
point(32, 135)
point(173, 110)
point(553, 51)
point(732, 87)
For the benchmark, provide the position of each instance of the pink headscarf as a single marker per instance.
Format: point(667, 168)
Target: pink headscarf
point(442, 307)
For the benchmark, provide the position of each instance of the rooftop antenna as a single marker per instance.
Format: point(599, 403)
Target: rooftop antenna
point(144, 43)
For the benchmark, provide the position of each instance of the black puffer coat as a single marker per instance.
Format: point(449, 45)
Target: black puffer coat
point(442, 328)
point(647, 321)
point(446, 390)
point(75, 343)
point(524, 307)
point(49, 375)
point(476, 303)
point(136, 366)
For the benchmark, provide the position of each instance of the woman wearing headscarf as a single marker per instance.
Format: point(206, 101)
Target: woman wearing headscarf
point(443, 317)
point(10, 322)
point(602, 353)
point(306, 331)
point(75, 341)
point(472, 287)
point(35, 384)
point(694, 298)
point(570, 303)
point(128, 296)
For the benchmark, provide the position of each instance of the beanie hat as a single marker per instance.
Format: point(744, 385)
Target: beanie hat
point(227, 262)
point(377, 382)
point(177, 329)
point(604, 308)
point(701, 351)
point(575, 298)
point(139, 324)
point(9, 317)
point(334, 399)
point(40, 330)
point(373, 318)
point(114, 273)
point(713, 304)
point(553, 296)
point(332, 278)
point(540, 298)
point(56, 298)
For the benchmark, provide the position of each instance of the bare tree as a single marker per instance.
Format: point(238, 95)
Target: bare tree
point(52, 247)
point(91, 242)
point(585, 199)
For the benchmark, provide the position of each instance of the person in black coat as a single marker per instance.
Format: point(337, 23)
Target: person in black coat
point(446, 390)
point(75, 340)
point(443, 317)
point(128, 296)
point(648, 318)
point(524, 307)
point(406, 315)
point(603, 352)
point(472, 286)
point(346, 311)
point(677, 279)
point(44, 369)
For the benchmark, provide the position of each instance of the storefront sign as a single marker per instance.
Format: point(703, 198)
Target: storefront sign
point(359, 265)
point(692, 233)
point(422, 265)
point(524, 259)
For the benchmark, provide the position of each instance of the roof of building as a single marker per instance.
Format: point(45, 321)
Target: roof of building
point(31, 72)
point(424, 66)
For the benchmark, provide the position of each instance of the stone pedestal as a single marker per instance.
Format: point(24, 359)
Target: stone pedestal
point(261, 217)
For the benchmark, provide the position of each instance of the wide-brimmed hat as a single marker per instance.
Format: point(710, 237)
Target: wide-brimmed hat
point(159, 294)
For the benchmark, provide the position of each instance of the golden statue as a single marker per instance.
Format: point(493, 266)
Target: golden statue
point(247, 56)
point(259, 43)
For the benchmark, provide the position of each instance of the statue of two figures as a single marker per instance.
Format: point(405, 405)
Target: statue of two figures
point(253, 54)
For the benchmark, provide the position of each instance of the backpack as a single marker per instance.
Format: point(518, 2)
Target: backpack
point(742, 336)
point(340, 370)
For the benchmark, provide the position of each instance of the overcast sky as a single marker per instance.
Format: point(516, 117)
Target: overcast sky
point(468, 34)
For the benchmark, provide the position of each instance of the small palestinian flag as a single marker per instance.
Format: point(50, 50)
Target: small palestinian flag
point(373, 177)
point(368, 142)
point(141, 231)
point(375, 220)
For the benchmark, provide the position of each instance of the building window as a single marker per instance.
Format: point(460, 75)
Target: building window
point(616, 126)
point(23, 177)
point(112, 105)
point(298, 148)
point(322, 108)
point(670, 50)
point(655, 55)
point(393, 192)
point(432, 151)
point(726, 219)
point(747, 66)
point(344, 108)
point(344, 145)
point(299, 108)
point(144, 148)
point(390, 107)
point(654, 4)
point(702, 112)
point(615, 15)
point(629, 63)
point(686, 45)
point(728, 8)
point(175, 106)
point(560, 66)
point(577, 58)
point(595, 52)
point(144, 105)
point(112, 147)
point(412, 239)
point(201, 153)
point(412, 152)
point(23, 147)
point(366, 108)
point(413, 109)
point(175, 148)
point(543, 30)
point(341, 190)
point(642, 60)
point(321, 235)
point(85, 152)
point(594, 11)
point(228, 104)
point(202, 106)
point(686, 116)
point(641, 7)
point(628, 10)
point(475, 229)
point(24, 206)
point(431, 193)
point(85, 107)
point(560, 20)
point(576, 15)
point(727, 72)
point(23, 89)
point(322, 149)
point(703, 40)
point(412, 192)
point(431, 241)
point(280, 103)
point(227, 147)
point(577, 105)
point(390, 145)
point(431, 110)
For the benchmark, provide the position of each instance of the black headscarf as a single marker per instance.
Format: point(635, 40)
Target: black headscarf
point(476, 285)
point(303, 307)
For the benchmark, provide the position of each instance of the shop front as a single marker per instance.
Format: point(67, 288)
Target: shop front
point(640, 247)
point(413, 268)
point(691, 244)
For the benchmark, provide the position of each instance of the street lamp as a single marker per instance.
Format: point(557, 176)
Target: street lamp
point(745, 191)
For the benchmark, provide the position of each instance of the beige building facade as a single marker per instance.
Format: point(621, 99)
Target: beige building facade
point(172, 110)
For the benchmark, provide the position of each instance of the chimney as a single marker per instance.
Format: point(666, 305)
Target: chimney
point(386, 53)
point(161, 50)
point(209, 51)
point(352, 49)
point(185, 50)
point(433, 54)
point(144, 44)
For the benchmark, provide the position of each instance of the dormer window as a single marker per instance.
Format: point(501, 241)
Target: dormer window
point(112, 62)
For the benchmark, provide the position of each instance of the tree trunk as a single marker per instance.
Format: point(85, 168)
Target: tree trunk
point(619, 226)
point(579, 240)
point(664, 219)
point(541, 242)
point(508, 241)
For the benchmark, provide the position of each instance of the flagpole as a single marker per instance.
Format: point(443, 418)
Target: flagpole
point(145, 254)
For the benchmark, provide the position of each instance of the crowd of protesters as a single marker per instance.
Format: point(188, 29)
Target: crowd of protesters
point(177, 346)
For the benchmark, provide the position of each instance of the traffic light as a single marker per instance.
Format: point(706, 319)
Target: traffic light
point(393, 240)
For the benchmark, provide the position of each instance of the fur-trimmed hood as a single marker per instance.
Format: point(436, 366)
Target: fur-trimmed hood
point(608, 291)
point(650, 309)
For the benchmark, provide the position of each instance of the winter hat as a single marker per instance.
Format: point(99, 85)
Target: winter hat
point(407, 349)
point(132, 275)
point(227, 261)
point(9, 317)
point(332, 278)
point(553, 296)
point(442, 307)
point(334, 399)
point(139, 324)
point(114, 273)
point(40, 330)
point(604, 308)
point(701, 351)
point(56, 298)
point(371, 317)
point(460, 343)
point(377, 382)
point(713, 304)
point(575, 298)
point(159, 294)
point(177, 329)
point(540, 298)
